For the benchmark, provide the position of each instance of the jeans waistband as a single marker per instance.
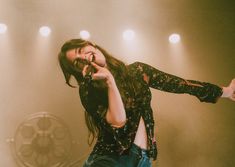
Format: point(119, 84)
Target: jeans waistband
point(139, 151)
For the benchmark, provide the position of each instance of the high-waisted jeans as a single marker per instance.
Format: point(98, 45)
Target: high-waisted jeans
point(137, 157)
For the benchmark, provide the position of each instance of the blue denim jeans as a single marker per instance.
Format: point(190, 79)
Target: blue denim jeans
point(136, 158)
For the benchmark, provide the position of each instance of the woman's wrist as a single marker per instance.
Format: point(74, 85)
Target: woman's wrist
point(110, 80)
point(227, 92)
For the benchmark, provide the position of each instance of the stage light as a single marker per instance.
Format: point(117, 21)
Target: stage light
point(3, 28)
point(128, 35)
point(84, 34)
point(174, 38)
point(45, 31)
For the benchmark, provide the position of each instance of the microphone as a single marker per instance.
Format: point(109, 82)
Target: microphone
point(81, 63)
point(89, 72)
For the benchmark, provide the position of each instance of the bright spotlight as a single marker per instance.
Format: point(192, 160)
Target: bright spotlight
point(84, 34)
point(174, 38)
point(3, 28)
point(128, 35)
point(45, 31)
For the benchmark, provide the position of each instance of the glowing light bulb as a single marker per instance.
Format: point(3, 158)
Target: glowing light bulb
point(128, 35)
point(174, 38)
point(84, 34)
point(45, 31)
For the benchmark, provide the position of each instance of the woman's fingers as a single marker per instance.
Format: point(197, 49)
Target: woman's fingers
point(232, 84)
point(101, 72)
point(98, 76)
point(233, 96)
point(96, 66)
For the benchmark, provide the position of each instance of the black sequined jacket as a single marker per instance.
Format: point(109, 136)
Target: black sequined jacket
point(117, 141)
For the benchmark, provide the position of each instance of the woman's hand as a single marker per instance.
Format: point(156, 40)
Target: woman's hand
point(229, 91)
point(102, 73)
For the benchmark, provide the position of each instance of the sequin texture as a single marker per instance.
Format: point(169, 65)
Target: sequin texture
point(118, 140)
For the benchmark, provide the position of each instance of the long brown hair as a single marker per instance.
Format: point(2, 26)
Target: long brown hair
point(116, 67)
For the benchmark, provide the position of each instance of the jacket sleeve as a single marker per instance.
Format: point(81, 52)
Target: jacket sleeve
point(205, 92)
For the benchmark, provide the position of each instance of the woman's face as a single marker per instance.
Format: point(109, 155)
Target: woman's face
point(88, 53)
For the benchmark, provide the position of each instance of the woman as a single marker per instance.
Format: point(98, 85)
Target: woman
point(117, 98)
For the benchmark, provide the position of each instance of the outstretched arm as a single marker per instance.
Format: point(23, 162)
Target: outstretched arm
point(205, 92)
